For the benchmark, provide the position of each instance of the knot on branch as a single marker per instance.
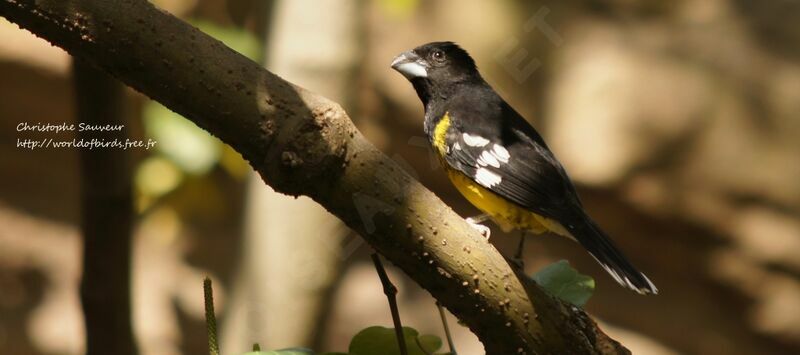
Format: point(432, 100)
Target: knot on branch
point(291, 159)
point(310, 148)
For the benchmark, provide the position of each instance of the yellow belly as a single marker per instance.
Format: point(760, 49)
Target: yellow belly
point(507, 215)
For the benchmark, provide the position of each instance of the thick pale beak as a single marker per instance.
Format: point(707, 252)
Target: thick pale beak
point(410, 65)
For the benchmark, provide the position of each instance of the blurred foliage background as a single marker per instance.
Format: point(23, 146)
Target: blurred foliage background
point(679, 120)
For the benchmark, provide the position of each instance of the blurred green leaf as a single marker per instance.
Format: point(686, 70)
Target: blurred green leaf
point(157, 176)
point(233, 163)
point(374, 341)
point(566, 283)
point(429, 343)
point(382, 341)
point(290, 351)
point(191, 148)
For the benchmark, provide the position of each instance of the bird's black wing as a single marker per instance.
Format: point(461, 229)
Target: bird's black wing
point(511, 160)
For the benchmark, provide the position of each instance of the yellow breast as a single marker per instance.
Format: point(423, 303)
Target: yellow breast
point(506, 214)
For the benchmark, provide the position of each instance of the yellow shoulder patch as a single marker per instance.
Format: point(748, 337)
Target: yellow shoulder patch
point(440, 132)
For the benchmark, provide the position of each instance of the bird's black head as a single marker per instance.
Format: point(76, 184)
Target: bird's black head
point(436, 69)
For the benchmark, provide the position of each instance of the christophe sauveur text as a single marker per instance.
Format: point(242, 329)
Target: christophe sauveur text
point(67, 127)
point(85, 143)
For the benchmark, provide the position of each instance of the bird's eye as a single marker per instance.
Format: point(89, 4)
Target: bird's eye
point(437, 55)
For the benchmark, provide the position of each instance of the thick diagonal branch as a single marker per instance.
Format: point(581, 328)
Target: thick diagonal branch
point(302, 143)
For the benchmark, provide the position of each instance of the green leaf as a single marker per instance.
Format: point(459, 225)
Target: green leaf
point(429, 343)
point(382, 341)
point(157, 176)
point(566, 283)
point(192, 149)
point(290, 351)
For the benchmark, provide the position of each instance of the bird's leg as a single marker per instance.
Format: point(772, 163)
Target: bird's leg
point(476, 221)
point(520, 249)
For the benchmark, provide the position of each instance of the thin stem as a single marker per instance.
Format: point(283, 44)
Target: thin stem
point(211, 319)
point(449, 337)
point(391, 295)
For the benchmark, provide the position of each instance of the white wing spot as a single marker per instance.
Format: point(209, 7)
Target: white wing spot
point(487, 178)
point(501, 153)
point(494, 157)
point(487, 158)
point(474, 141)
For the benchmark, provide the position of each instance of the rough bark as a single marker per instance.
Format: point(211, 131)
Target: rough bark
point(303, 144)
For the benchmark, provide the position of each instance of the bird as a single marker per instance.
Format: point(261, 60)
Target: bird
point(499, 162)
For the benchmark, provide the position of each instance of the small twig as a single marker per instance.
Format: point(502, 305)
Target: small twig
point(447, 335)
point(211, 319)
point(391, 295)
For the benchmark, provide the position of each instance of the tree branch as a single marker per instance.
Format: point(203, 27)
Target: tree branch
point(301, 143)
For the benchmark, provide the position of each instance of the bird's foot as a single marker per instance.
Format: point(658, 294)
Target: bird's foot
point(484, 230)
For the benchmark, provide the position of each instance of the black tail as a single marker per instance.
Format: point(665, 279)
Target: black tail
point(597, 243)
